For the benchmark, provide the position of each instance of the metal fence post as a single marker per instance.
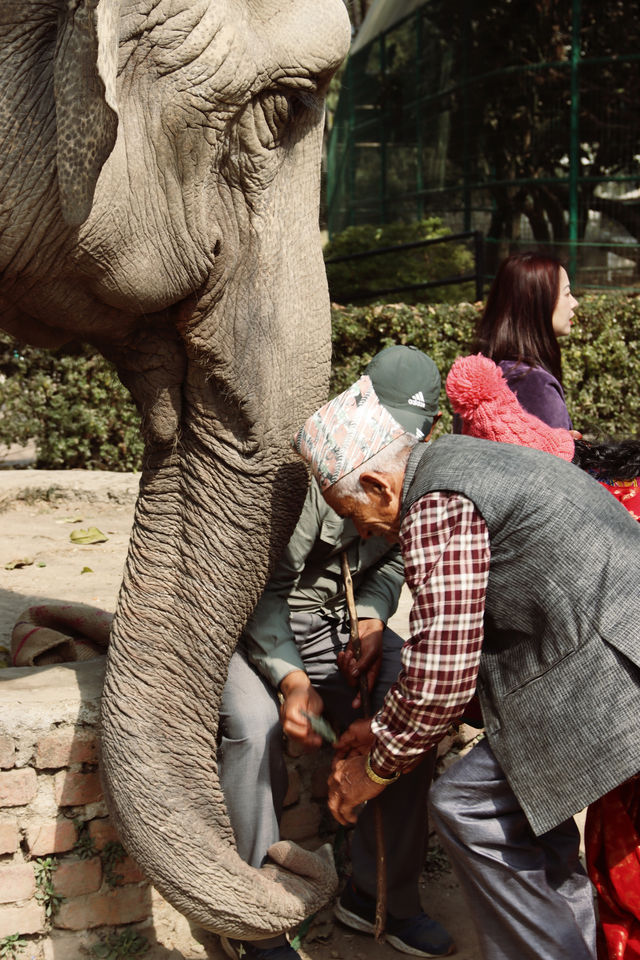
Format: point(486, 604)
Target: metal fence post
point(574, 145)
point(478, 253)
point(351, 144)
point(466, 118)
point(418, 102)
point(383, 130)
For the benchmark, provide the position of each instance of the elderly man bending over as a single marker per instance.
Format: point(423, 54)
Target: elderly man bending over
point(526, 585)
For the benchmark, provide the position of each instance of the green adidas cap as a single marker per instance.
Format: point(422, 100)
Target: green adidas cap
point(407, 383)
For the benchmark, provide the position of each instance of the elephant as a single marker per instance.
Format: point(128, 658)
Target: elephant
point(159, 192)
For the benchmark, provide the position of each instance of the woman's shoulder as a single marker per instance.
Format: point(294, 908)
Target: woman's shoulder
point(516, 371)
point(539, 392)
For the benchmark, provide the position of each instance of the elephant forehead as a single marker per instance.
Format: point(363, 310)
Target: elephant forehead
point(229, 50)
point(195, 43)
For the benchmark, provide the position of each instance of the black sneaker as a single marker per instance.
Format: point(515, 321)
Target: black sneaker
point(245, 950)
point(419, 936)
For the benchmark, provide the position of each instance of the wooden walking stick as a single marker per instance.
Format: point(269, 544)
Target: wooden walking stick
point(381, 859)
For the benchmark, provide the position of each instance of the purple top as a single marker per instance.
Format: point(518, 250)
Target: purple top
point(538, 392)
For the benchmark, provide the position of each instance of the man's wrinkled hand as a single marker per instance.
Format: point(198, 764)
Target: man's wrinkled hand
point(300, 697)
point(349, 788)
point(370, 632)
point(356, 740)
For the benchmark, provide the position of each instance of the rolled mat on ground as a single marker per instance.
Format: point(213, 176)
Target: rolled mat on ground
point(59, 633)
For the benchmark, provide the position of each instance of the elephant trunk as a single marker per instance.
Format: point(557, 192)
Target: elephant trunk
point(205, 537)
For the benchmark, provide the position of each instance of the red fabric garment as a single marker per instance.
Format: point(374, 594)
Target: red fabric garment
point(446, 553)
point(612, 842)
point(628, 493)
point(612, 835)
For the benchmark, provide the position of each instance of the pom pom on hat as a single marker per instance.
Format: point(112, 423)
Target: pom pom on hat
point(490, 410)
point(473, 381)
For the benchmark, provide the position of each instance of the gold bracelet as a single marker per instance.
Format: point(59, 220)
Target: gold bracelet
point(374, 776)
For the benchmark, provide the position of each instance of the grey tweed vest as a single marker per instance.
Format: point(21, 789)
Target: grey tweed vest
point(559, 680)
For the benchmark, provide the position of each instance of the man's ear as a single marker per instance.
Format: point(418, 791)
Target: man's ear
point(434, 424)
point(377, 486)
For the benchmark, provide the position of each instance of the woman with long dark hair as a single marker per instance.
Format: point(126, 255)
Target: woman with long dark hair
point(529, 306)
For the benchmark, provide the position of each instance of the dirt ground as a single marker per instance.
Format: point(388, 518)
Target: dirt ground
point(38, 511)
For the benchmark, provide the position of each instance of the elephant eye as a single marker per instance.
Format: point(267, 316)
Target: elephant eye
point(276, 113)
point(272, 112)
point(273, 119)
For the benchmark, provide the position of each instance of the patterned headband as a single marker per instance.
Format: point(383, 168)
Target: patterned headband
point(345, 433)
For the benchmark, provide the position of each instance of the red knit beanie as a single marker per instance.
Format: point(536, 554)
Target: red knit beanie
point(490, 410)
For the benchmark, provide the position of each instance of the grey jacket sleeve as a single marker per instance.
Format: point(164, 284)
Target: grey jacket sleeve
point(378, 594)
point(269, 641)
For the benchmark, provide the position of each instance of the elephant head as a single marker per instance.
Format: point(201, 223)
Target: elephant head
point(159, 184)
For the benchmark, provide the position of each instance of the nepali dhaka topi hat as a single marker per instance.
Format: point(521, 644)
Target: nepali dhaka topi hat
point(345, 433)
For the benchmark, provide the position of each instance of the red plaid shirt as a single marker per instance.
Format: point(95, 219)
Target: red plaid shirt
point(445, 547)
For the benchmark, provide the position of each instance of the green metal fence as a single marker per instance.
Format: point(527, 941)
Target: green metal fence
point(519, 120)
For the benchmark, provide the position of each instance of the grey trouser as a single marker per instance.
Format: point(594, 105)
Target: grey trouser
point(528, 896)
point(254, 778)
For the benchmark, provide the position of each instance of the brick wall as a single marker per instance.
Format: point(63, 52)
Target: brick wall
point(53, 815)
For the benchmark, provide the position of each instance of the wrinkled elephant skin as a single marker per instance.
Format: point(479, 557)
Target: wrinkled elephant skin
point(159, 185)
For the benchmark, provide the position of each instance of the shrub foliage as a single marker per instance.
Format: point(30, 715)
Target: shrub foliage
point(350, 280)
point(72, 403)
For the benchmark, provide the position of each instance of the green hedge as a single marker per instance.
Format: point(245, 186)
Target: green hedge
point(601, 366)
point(601, 359)
point(72, 403)
point(348, 281)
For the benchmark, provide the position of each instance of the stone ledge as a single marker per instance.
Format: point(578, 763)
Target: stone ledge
point(49, 722)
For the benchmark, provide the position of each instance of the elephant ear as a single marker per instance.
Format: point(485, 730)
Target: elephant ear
point(84, 83)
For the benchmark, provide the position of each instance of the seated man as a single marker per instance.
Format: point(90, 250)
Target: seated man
point(298, 638)
point(525, 580)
